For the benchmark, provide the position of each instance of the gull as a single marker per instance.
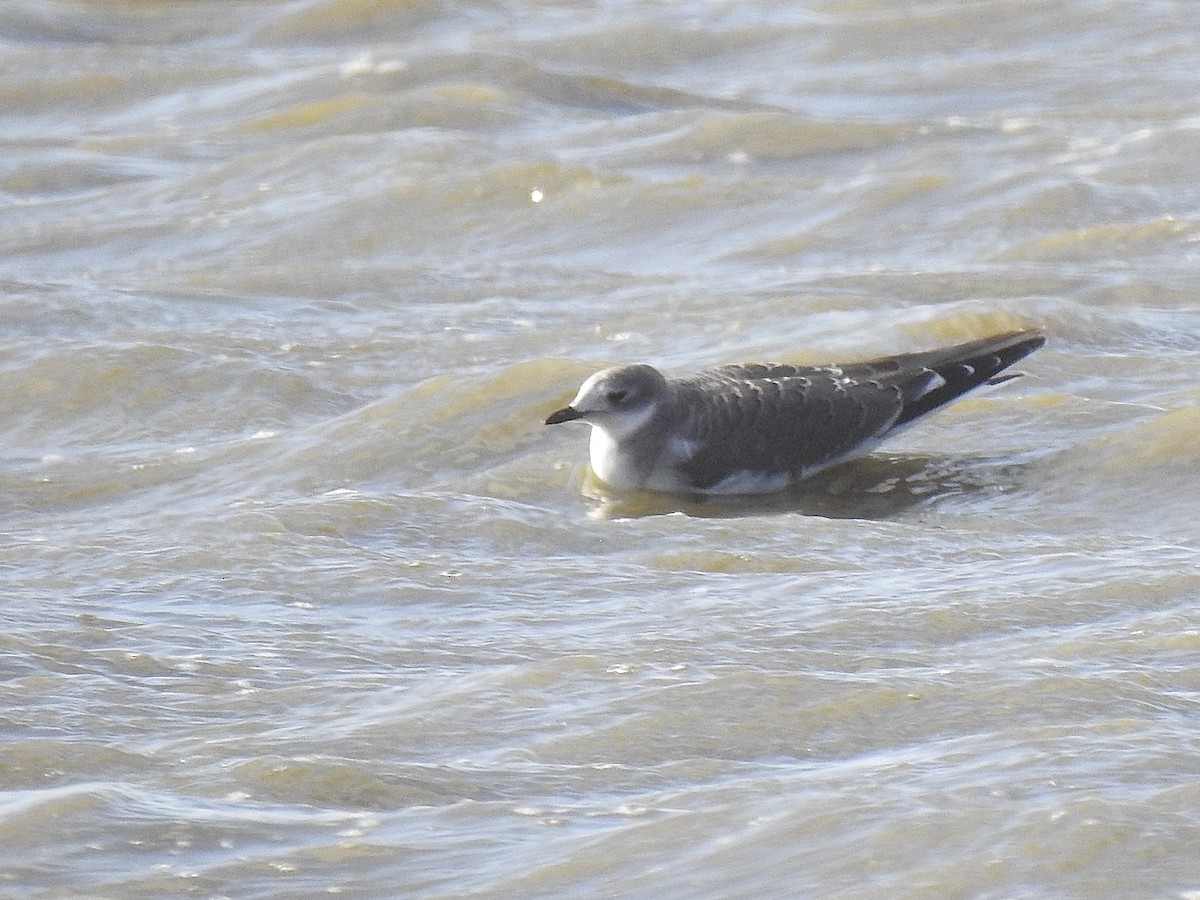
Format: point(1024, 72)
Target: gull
point(755, 428)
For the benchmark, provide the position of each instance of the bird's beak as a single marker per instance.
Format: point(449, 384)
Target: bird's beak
point(566, 414)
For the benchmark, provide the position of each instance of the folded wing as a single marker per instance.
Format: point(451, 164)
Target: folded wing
point(774, 418)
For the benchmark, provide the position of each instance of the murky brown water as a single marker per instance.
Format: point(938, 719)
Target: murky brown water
point(302, 599)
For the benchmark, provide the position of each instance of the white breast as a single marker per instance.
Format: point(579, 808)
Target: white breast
point(610, 465)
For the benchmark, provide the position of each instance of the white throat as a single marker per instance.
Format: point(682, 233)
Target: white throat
point(616, 467)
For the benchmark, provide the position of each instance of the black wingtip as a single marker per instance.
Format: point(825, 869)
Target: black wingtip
point(968, 366)
point(1000, 379)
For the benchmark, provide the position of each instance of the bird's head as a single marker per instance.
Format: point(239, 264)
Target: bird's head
point(618, 400)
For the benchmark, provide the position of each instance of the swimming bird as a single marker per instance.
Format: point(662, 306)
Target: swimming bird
point(760, 427)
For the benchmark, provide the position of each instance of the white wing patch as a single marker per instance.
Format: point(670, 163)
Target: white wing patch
point(933, 381)
point(681, 449)
point(748, 481)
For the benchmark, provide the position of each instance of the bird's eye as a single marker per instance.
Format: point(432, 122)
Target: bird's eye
point(616, 397)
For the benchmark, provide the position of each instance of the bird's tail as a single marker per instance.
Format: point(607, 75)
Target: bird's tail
point(932, 378)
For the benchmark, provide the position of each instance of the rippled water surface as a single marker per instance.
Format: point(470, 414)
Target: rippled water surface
point(301, 598)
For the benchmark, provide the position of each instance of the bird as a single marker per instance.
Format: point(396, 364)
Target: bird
point(757, 428)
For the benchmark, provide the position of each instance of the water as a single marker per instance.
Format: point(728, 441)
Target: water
point(302, 599)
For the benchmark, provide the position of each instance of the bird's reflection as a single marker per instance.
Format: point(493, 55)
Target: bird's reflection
point(880, 486)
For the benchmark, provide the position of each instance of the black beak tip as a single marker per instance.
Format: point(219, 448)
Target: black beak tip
point(566, 414)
